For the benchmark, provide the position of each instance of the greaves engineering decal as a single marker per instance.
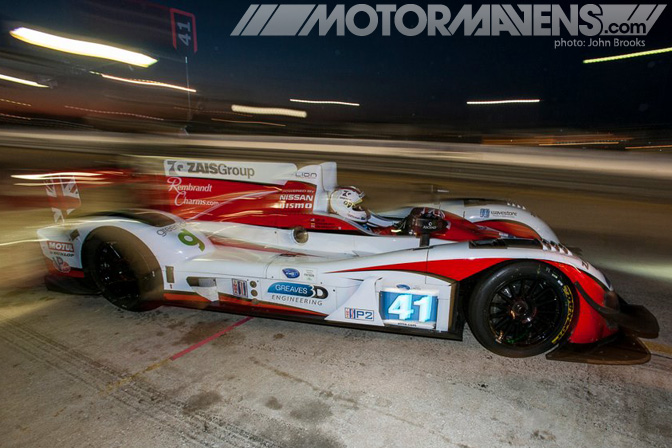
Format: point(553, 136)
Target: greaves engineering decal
point(296, 294)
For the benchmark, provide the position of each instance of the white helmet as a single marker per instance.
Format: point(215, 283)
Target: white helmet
point(345, 201)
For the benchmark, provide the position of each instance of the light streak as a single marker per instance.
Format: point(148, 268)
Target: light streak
point(248, 122)
point(603, 142)
point(648, 147)
point(627, 56)
point(21, 81)
point(56, 175)
point(147, 82)
point(490, 102)
point(269, 111)
point(4, 100)
point(81, 47)
point(114, 113)
point(337, 103)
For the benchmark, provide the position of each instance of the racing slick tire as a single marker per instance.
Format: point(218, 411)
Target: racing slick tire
point(124, 269)
point(522, 309)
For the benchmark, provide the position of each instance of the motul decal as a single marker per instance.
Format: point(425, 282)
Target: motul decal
point(60, 246)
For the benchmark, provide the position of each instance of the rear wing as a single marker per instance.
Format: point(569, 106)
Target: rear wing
point(218, 190)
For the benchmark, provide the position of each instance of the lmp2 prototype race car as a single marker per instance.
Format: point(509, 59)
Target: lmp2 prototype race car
point(274, 240)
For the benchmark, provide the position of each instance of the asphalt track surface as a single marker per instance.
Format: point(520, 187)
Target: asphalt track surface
point(78, 372)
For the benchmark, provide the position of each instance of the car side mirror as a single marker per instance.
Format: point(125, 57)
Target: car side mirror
point(424, 226)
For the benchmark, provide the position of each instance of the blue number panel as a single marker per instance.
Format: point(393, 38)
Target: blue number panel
point(410, 308)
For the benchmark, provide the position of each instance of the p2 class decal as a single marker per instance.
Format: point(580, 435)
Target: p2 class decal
point(291, 272)
point(358, 314)
point(298, 290)
point(409, 308)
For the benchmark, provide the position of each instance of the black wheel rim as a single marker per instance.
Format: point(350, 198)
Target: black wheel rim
point(525, 312)
point(119, 283)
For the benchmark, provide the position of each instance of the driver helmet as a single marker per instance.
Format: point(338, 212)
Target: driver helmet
point(345, 202)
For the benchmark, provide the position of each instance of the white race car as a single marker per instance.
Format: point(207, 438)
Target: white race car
point(274, 240)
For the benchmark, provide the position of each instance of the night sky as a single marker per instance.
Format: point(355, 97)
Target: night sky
point(396, 79)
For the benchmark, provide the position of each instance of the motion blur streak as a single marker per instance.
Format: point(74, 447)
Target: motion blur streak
point(336, 103)
point(489, 102)
point(649, 147)
point(601, 142)
point(5, 100)
point(249, 122)
point(81, 47)
point(269, 111)
point(21, 81)
point(627, 56)
point(11, 243)
point(146, 82)
point(53, 175)
point(15, 116)
point(659, 271)
point(128, 114)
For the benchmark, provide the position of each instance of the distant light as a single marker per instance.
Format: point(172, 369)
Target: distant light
point(81, 47)
point(248, 122)
point(21, 81)
point(146, 82)
point(628, 56)
point(337, 103)
point(269, 111)
point(475, 103)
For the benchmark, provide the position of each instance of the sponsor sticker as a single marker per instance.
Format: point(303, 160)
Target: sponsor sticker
point(503, 213)
point(60, 246)
point(239, 288)
point(309, 275)
point(298, 290)
point(291, 273)
point(485, 213)
point(358, 314)
point(61, 265)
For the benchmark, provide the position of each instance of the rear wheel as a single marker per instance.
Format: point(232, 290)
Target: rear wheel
point(522, 309)
point(124, 270)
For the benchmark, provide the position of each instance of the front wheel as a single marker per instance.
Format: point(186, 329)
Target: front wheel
point(522, 309)
point(124, 270)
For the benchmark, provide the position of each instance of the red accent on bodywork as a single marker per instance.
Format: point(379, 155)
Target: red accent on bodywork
point(452, 269)
point(512, 228)
point(588, 325)
point(229, 242)
point(73, 272)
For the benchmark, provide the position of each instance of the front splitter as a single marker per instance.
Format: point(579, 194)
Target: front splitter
point(620, 349)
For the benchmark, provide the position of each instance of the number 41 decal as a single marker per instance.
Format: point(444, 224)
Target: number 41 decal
point(403, 307)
